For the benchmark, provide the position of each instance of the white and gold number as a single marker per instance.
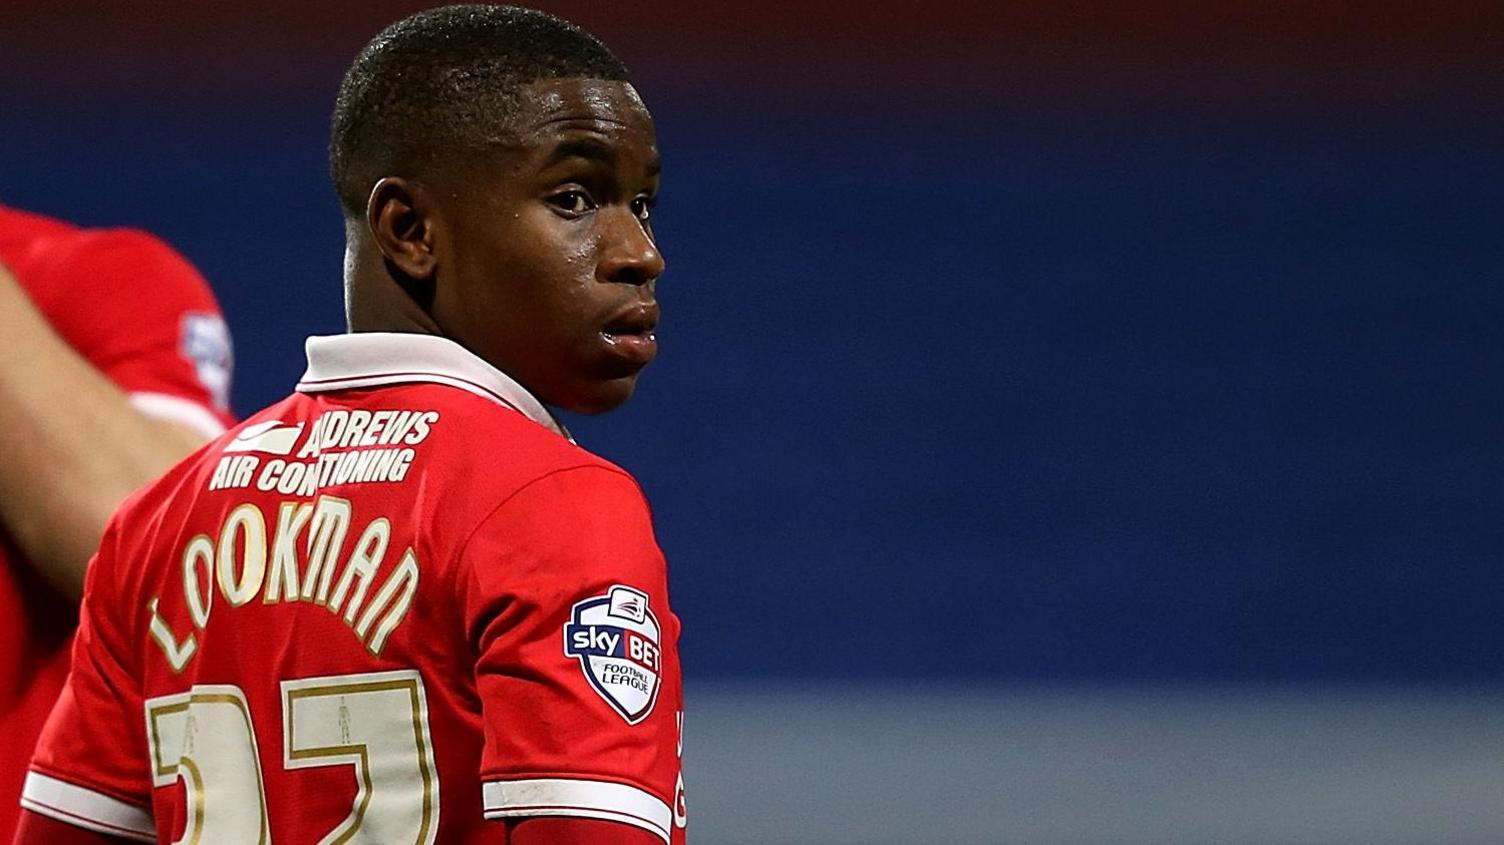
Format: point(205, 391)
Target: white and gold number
point(204, 736)
point(377, 723)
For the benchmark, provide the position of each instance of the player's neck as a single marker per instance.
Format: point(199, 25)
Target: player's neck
point(376, 302)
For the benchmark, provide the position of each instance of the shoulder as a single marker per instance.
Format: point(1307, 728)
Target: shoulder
point(576, 489)
point(143, 511)
point(497, 466)
point(574, 531)
point(124, 261)
point(28, 243)
point(112, 289)
point(24, 228)
point(501, 449)
point(60, 263)
point(587, 502)
point(136, 531)
point(570, 489)
point(45, 252)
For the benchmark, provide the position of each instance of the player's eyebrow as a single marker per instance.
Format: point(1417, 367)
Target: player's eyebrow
point(586, 148)
point(592, 149)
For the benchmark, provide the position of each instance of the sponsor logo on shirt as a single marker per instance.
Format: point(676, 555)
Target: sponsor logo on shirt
point(616, 639)
point(271, 437)
point(341, 447)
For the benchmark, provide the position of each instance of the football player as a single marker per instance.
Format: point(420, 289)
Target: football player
point(401, 605)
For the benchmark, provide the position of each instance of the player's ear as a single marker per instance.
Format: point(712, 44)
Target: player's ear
point(401, 221)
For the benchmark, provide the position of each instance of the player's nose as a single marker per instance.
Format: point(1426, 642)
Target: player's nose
point(630, 255)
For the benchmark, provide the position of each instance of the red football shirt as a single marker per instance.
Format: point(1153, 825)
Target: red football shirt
point(145, 318)
point(394, 605)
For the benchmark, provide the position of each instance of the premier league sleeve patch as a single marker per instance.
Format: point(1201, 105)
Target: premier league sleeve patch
point(205, 340)
point(615, 637)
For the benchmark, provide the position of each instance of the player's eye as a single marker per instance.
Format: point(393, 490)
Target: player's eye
point(572, 202)
point(642, 207)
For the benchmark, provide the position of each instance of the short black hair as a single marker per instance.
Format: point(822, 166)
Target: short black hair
point(444, 82)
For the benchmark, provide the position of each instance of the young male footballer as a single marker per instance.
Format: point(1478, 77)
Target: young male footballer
point(401, 605)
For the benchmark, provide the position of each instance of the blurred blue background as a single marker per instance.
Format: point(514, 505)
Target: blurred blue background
point(1096, 347)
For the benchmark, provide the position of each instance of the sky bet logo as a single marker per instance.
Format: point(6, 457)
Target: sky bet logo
point(616, 639)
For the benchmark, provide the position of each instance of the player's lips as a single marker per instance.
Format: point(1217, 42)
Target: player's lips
point(630, 333)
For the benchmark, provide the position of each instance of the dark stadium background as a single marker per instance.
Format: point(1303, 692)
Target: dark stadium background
point(1052, 346)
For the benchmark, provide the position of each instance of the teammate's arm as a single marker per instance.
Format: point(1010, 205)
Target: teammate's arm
point(73, 444)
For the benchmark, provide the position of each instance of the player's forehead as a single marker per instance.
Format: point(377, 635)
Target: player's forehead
point(555, 111)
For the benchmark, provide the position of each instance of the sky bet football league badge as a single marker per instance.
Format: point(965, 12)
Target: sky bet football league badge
point(615, 636)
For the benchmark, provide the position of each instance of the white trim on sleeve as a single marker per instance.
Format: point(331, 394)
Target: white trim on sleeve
point(85, 808)
point(590, 799)
point(175, 409)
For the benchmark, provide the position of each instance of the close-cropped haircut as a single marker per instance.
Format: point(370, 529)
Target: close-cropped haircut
point(443, 84)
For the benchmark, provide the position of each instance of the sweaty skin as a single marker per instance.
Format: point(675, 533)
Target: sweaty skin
point(538, 257)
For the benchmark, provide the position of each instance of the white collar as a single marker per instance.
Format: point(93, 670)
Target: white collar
point(372, 359)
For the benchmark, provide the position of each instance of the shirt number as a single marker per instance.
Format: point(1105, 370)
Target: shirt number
point(377, 723)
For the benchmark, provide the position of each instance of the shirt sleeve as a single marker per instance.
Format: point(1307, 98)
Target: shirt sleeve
point(142, 315)
point(577, 668)
point(35, 829)
point(90, 766)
